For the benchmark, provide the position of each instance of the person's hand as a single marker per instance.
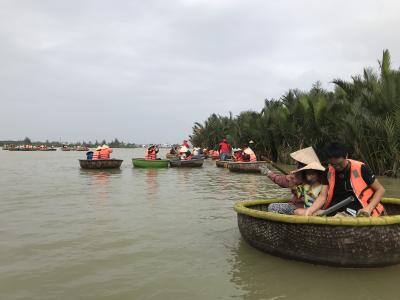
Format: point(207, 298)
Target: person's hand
point(264, 170)
point(318, 212)
point(364, 212)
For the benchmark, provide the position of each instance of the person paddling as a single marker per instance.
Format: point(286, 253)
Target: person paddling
point(151, 153)
point(292, 181)
point(349, 178)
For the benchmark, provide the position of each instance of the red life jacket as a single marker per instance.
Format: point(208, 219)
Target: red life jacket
point(238, 156)
point(225, 147)
point(360, 188)
point(150, 155)
point(189, 157)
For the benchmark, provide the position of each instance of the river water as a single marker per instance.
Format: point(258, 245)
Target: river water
point(66, 233)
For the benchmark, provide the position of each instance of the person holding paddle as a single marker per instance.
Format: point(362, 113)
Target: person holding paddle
point(292, 181)
point(349, 178)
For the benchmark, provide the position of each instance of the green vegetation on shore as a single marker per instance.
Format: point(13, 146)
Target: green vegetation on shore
point(363, 113)
point(113, 144)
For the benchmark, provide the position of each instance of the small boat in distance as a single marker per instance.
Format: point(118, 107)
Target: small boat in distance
point(246, 167)
point(191, 163)
point(146, 163)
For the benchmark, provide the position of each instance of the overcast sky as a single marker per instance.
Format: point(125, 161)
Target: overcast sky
point(144, 71)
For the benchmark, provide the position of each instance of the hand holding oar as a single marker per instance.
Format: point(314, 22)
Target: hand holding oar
point(335, 207)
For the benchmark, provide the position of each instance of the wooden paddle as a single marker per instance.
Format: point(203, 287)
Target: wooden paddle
point(335, 207)
point(276, 167)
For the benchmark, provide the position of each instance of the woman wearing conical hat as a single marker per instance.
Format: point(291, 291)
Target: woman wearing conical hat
point(302, 157)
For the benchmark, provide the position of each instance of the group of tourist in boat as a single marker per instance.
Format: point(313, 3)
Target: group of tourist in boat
point(181, 152)
point(29, 148)
point(246, 154)
point(101, 153)
point(346, 184)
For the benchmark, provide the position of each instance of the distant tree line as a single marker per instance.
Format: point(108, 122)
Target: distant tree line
point(116, 143)
point(363, 113)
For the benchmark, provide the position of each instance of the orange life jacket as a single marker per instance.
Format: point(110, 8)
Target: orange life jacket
point(150, 155)
point(105, 154)
point(96, 155)
point(362, 191)
point(250, 152)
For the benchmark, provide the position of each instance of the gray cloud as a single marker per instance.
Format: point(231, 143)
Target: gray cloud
point(144, 71)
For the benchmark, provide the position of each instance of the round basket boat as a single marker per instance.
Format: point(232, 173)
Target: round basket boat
point(336, 241)
point(223, 163)
point(193, 163)
point(100, 163)
point(170, 156)
point(246, 167)
point(143, 163)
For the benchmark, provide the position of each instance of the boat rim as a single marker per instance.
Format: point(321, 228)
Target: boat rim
point(93, 160)
point(151, 160)
point(242, 207)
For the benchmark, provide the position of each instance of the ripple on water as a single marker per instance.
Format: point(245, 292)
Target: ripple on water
point(67, 233)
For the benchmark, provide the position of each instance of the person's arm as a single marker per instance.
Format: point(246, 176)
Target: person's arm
point(319, 202)
point(281, 180)
point(379, 191)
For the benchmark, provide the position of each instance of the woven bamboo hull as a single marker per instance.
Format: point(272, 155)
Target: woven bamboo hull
point(170, 156)
point(193, 163)
point(142, 163)
point(340, 244)
point(100, 164)
point(222, 164)
point(246, 167)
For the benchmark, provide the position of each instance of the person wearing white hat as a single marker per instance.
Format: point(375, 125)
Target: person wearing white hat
point(96, 153)
point(105, 152)
point(237, 154)
point(310, 189)
point(291, 181)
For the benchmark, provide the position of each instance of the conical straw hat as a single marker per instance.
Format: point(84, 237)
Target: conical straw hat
point(305, 156)
point(311, 166)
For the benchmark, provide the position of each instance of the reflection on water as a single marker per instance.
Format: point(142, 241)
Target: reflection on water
point(151, 183)
point(263, 276)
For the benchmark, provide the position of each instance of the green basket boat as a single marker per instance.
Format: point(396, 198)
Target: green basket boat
point(336, 241)
point(143, 163)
